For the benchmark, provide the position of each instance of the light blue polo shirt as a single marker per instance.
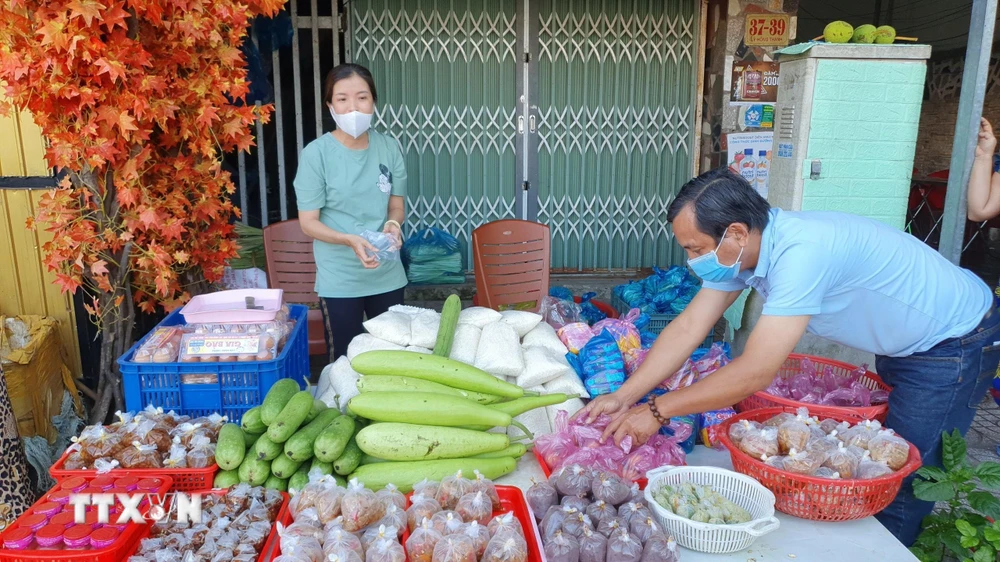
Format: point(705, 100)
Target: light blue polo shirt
point(865, 284)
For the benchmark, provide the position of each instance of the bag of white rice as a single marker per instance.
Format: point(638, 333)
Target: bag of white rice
point(424, 328)
point(367, 342)
point(569, 383)
point(407, 309)
point(325, 380)
point(478, 316)
point(418, 349)
point(466, 343)
point(544, 335)
point(521, 320)
point(542, 366)
point(499, 351)
point(343, 385)
point(390, 326)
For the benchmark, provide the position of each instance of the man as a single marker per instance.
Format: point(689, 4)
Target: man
point(858, 282)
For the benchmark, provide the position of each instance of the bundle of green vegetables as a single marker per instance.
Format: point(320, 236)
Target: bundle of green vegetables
point(250, 248)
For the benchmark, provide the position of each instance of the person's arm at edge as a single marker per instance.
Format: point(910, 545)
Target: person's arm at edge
point(983, 200)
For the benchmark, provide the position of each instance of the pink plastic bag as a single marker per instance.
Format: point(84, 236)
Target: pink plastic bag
point(575, 335)
point(623, 330)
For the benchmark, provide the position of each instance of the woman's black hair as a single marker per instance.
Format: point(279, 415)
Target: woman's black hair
point(344, 71)
point(720, 198)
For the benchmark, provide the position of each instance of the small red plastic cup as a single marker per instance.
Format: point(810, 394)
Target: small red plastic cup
point(66, 518)
point(103, 537)
point(127, 483)
point(48, 509)
point(103, 482)
point(92, 520)
point(50, 535)
point(60, 496)
point(77, 536)
point(92, 490)
point(19, 538)
point(74, 484)
point(34, 521)
point(150, 484)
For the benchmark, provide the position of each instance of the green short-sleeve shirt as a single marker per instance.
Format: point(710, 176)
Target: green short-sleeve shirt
point(351, 190)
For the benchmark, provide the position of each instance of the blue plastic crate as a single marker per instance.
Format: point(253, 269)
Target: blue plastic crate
point(232, 388)
point(657, 322)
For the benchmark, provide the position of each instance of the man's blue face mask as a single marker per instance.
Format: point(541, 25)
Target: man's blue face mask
point(710, 269)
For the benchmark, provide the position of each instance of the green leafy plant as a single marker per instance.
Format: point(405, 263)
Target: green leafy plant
point(967, 528)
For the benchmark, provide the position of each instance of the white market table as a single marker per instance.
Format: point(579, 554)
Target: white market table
point(796, 540)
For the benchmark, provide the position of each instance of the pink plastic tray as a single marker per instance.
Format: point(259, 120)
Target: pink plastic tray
point(230, 307)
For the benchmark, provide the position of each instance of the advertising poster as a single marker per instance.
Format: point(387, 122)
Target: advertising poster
point(749, 155)
point(754, 82)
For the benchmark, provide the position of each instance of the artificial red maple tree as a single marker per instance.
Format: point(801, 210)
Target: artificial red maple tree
point(138, 100)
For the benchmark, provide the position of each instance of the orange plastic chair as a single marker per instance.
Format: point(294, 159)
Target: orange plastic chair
point(511, 261)
point(292, 267)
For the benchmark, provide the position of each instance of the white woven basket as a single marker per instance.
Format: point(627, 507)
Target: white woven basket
point(704, 537)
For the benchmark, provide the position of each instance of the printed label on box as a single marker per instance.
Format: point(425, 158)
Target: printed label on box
point(223, 345)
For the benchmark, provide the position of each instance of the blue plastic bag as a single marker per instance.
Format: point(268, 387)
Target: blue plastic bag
point(432, 257)
point(589, 311)
point(600, 364)
point(561, 293)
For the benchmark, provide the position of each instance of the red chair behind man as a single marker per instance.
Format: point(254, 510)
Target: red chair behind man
point(511, 261)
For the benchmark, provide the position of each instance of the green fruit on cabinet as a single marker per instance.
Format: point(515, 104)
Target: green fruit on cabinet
point(885, 35)
point(864, 34)
point(300, 446)
point(275, 483)
point(265, 449)
point(284, 467)
point(251, 422)
point(838, 32)
point(231, 447)
point(279, 395)
point(333, 439)
point(226, 478)
point(291, 417)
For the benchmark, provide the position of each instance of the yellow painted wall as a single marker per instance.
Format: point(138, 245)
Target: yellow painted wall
point(25, 286)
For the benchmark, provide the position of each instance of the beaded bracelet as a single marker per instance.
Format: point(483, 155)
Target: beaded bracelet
point(656, 413)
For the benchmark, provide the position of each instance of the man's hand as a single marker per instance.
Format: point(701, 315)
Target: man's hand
point(639, 422)
point(610, 404)
point(987, 143)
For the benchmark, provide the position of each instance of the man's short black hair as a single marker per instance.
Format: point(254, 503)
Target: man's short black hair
point(719, 199)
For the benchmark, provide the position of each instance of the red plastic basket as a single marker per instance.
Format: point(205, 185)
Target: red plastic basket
point(548, 471)
point(184, 479)
point(511, 500)
point(127, 541)
point(283, 517)
point(819, 499)
point(792, 367)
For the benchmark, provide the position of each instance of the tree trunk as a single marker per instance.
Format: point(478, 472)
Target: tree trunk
point(117, 339)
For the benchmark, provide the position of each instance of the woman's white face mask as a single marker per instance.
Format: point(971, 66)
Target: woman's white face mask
point(353, 123)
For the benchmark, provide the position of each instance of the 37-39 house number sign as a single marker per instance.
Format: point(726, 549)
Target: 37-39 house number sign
point(766, 30)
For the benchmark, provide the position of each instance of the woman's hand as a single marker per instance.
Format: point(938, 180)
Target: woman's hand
point(639, 422)
point(364, 250)
point(611, 404)
point(987, 143)
point(392, 229)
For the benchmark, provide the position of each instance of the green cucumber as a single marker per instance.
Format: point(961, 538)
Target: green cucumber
point(333, 439)
point(515, 450)
point(291, 417)
point(324, 467)
point(231, 447)
point(350, 459)
point(265, 449)
point(368, 459)
point(318, 406)
point(254, 471)
point(300, 446)
point(449, 321)
point(279, 395)
point(284, 467)
point(226, 478)
point(299, 479)
point(250, 439)
point(410, 442)
point(275, 483)
point(516, 407)
point(398, 383)
point(433, 368)
point(405, 474)
point(425, 408)
point(251, 422)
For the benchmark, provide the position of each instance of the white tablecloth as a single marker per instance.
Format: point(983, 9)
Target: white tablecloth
point(798, 540)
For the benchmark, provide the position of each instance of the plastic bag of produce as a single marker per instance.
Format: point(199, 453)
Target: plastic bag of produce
point(558, 312)
point(447, 522)
point(391, 495)
point(393, 327)
point(576, 523)
point(589, 311)
point(889, 448)
point(541, 496)
point(341, 540)
point(569, 383)
point(478, 316)
point(421, 508)
point(499, 352)
point(475, 507)
point(610, 488)
point(571, 407)
point(466, 343)
point(521, 320)
point(575, 480)
point(660, 548)
point(600, 365)
point(426, 488)
point(360, 507)
point(593, 546)
point(421, 542)
point(424, 328)
point(479, 535)
point(343, 384)
point(624, 547)
point(506, 548)
point(541, 366)
point(562, 548)
point(385, 550)
point(454, 548)
point(367, 342)
point(378, 532)
point(505, 523)
point(432, 256)
point(483, 484)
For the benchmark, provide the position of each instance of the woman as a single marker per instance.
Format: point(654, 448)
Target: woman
point(350, 181)
point(16, 495)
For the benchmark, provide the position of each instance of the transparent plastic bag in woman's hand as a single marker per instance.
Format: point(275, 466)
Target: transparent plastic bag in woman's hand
point(541, 496)
point(454, 548)
point(451, 489)
point(475, 507)
point(385, 245)
point(593, 546)
point(562, 548)
point(505, 522)
point(506, 548)
point(421, 542)
point(360, 507)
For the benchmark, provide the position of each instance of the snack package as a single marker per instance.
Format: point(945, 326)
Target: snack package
point(660, 548)
point(861, 434)
point(385, 550)
point(447, 522)
point(422, 508)
point(475, 507)
point(575, 335)
point(479, 535)
point(593, 546)
point(576, 523)
point(610, 488)
point(451, 489)
point(391, 494)
point(794, 433)
point(482, 484)
point(633, 510)
point(763, 441)
point(889, 448)
point(601, 510)
point(804, 462)
point(554, 520)
point(421, 542)
point(426, 488)
point(576, 502)
point(379, 533)
point(574, 480)
point(779, 419)
point(559, 312)
point(562, 548)
point(844, 460)
point(624, 547)
point(329, 503)
point(710, 423)
point(176, 458)
point(868, 469)
point(505, 523)
point(339, 540)
point(612, 525)
point(454, 548)
point(360, 507)
point(739, 429)
point(600, 364)
point(824, 472)
point(643, 529)
point(541, 496)
point(395, 518)
point(202, 453)
point(506, 548)
point(828, 425)
point(140, 456)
